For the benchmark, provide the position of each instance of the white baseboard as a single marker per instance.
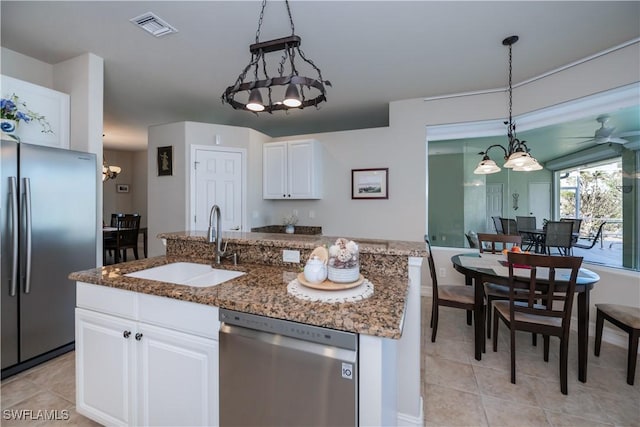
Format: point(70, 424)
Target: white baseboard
point(411, 421)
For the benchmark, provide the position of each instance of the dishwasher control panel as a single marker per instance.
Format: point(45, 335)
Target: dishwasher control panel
point(341, 339)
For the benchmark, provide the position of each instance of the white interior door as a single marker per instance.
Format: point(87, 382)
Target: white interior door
point(218, 181)
point(540, 201)
point(494, 204)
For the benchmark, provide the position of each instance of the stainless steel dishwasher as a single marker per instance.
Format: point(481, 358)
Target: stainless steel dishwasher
point(280, 373)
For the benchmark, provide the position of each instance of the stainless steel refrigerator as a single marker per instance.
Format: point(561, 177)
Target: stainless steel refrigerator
point(48, 230)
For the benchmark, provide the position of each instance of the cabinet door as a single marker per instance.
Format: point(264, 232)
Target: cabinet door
point(177, 376)
point(274, 171)
point(302, 164)
point(105, 356)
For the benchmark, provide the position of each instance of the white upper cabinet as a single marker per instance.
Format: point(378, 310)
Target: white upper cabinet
point(54, 107)
point(292, 170)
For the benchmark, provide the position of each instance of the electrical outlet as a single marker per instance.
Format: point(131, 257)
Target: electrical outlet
point(291, 256)
point(442, 272)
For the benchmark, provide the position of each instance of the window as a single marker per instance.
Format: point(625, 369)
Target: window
point(595, 193)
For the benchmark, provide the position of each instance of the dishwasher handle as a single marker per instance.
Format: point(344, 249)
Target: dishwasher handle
point(228, 331)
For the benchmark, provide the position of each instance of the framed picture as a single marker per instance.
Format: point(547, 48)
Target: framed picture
point(370, 183)
point(165, 161)
point(122, 188)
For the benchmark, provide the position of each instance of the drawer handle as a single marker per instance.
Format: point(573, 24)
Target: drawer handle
point(126, 334)
point(138, 336)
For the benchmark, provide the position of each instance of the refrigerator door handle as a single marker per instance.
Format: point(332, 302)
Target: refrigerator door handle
point(13, 199)
point(27, 205)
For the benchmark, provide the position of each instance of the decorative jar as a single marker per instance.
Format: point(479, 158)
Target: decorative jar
point(344, 263)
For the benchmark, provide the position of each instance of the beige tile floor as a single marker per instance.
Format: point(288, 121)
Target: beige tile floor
point(461, 391)
point(457, 389)
point(45, 391)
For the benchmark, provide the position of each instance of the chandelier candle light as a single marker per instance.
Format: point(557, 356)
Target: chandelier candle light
point(109, 172)
point(287, 90)
point(517, 153)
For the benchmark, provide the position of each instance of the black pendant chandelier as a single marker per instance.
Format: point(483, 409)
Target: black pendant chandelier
point(517, 153)
point(282, 92)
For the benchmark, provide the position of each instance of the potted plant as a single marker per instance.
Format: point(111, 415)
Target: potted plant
point(13, 110)
point(289, 223)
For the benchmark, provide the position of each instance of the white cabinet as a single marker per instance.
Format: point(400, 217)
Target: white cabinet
point(292, 170)
point(53, 105)
point(131, 369)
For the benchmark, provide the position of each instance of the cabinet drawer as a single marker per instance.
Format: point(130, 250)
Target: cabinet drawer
point(106, 300)
point(184, 316)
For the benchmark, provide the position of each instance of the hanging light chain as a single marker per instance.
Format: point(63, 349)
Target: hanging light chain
point(293, 30)
point(284, 78)
point(264, 4)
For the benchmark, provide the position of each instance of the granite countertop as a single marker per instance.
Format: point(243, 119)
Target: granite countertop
point(301, 241)
point(263, 291)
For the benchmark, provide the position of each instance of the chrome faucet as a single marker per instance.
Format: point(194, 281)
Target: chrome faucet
point(215, 236)
point(215, 233)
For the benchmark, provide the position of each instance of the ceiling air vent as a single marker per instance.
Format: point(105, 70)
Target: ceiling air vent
point(153, 24)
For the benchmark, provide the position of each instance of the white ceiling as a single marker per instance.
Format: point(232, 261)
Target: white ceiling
point(373, 52)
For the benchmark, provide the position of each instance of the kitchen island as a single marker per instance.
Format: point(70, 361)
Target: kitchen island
point(388, 322)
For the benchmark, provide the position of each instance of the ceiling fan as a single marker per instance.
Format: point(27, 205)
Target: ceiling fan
point(605, 135)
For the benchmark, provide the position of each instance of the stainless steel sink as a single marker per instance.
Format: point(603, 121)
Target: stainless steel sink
point(187, 273)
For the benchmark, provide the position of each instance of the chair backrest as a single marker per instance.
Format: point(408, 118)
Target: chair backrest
point(542, 280)
point(487, 242)
point(509, 226)
point(558, 234)
point(526, 222)
point(497, 223)
point(114, 219)
point(472, 238)
point(432, 269)
point(577, 222)
point(128, 228)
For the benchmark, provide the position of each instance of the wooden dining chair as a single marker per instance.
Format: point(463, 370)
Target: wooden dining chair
point(495, 243)
point(540, 305)
point(128, 227)
point(456, 296)
point(626, 318)
point(559, 235)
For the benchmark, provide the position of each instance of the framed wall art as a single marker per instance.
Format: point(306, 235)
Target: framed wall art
point(165, 161)
point(370, 183)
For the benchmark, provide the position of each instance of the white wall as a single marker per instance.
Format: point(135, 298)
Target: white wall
point(169, 196)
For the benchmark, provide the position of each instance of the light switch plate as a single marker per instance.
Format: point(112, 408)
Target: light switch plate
point(290, 256)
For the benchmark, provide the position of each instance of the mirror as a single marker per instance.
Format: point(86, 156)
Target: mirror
point(460, 201)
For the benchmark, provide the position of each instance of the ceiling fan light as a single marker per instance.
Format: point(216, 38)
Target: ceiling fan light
point(255, 101)
point(486, 167)
point(292, 97)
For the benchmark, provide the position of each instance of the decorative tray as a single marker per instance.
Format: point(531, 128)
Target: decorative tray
point(328, 285)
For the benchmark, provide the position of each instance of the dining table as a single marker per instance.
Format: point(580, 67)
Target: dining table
point(479, 268)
